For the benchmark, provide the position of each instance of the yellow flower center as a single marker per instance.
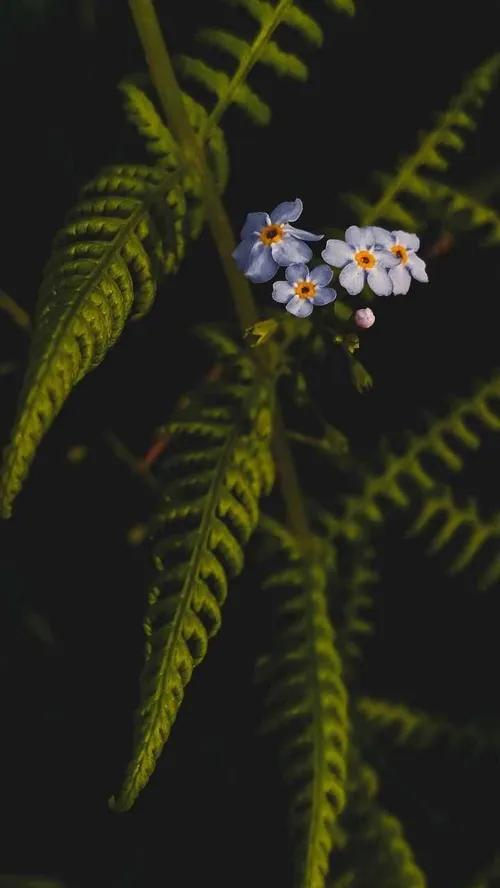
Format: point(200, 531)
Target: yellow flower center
point(365, 259)
point(305, 289)
point(400, 253)
point(271, 234)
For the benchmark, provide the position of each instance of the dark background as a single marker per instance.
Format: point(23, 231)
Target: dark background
point(215, 808)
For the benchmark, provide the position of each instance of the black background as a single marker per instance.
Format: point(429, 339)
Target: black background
point(215, 808)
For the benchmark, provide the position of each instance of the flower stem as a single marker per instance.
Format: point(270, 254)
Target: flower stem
point(170, 96)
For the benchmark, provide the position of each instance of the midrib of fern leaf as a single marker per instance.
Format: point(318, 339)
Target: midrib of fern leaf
point(235, 470)
point(307, 694)
point(387, 207)
point(105, 261)
point(261, 49)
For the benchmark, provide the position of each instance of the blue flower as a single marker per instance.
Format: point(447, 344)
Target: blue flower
point(360, 261)
point(270, 241)
point(404, 247)
point(303, 288)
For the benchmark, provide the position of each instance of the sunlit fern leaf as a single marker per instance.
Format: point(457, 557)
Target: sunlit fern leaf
point(398, 723)
point(217, 468)
point(463, 519)
point(105, 262)
point(141, 112)
point(377, 854)
point(404, 477)
point(307, 700)
point(262, 49)
point(447, 134)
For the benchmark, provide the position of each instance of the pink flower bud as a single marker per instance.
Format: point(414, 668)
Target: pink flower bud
point(364, 318)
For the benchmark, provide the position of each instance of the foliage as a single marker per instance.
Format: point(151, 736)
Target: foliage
point(215, 458)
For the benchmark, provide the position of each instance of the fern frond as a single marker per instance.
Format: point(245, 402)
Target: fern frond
point(104, 266)
point(141, 112)
point(354, 582)
point(457, 519)
point(307, 698)
point(402, 725)
point(446, 134)
point(216, 470)
point(378, 853)
point(454, 202)
point(262, 50)
point(443, 440)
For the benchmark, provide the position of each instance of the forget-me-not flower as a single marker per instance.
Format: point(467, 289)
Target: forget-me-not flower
point(360, 261)
point(270, 241)
point(303, 288)
point(404, 247)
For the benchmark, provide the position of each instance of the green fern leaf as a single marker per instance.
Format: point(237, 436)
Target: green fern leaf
point(443, 439)
point(403, 726)
point(213, 482)
point(116, 243)
point(262, 50)
point(446, 134)
point(466, 519)
point(141, 112)
point(377, 851)
point(455, 202)
point(307, 697)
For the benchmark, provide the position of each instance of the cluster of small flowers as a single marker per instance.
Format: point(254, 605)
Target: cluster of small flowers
point(385, 260)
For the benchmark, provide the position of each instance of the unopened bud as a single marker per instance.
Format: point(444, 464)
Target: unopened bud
point(364, 318)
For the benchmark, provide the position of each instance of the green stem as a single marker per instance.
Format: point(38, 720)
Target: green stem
point(165, 82)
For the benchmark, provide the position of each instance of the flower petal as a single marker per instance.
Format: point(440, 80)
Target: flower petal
point(282, 291)
point(337, 253)
point(352, 277)
point(360, 238)
point(382, 237)
point(261, 265)
point(379, 281)
point(290, 250)
point(303, 235)
point(255, 222)
point(386, 259)
point(297, 271)
point(324, 295)
point(321, 275)
point(410, 241)
point(242, 252)
point(288, 211)
point(301, 308)
point(401, 279)
point(416, 265)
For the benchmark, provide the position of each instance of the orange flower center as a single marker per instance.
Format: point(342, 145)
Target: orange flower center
point(305, 289)
point(365, 259)
point(400, 253)
point(271, 234)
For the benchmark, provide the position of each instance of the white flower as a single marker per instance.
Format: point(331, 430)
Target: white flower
point(404, 246)
point(360, 261)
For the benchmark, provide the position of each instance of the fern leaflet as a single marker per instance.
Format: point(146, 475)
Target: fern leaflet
point(262, 50)
point(446, 134)
point(307, 696)
point(218, 467)
point(417, 728)
point(377, 853)
point(407, 469)
point(106, 260)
